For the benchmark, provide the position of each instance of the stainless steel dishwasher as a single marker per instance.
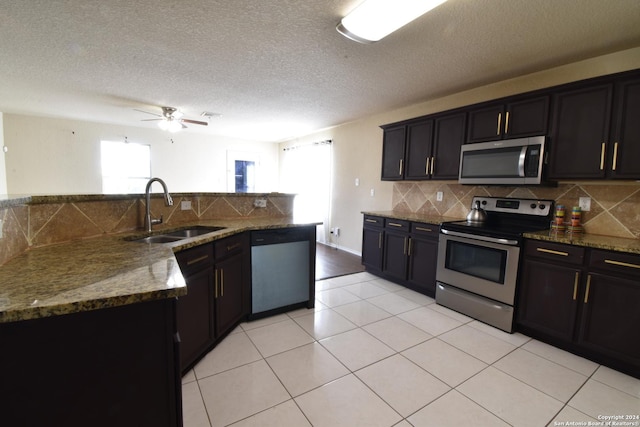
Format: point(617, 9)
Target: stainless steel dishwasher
point(282, 269)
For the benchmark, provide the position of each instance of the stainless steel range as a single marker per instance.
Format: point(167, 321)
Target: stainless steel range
point(478, 261)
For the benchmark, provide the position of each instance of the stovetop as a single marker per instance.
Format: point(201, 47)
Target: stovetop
point(507, 217)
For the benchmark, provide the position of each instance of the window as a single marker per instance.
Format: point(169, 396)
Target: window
point(126, 167)
point(245, 176)
point(243, 169)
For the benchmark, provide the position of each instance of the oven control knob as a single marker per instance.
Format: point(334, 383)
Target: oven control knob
point(542, 206)
point(484, 202)
point(533, 205)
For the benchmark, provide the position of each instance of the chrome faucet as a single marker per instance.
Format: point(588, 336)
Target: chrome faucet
point(148, 221)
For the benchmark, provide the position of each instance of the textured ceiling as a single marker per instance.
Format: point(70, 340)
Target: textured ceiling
point(278, 69)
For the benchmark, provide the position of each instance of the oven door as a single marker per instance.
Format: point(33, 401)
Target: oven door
point(478, 264)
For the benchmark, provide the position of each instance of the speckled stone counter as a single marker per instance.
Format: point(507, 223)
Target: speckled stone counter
point(103, 272)
point(409, 216)
point(618, 244)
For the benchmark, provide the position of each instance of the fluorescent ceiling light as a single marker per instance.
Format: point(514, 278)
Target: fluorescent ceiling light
point(373, 20)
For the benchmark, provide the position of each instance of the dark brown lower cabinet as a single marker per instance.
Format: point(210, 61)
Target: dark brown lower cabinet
point(109, 367)
point(583, 300)
point(404, 252)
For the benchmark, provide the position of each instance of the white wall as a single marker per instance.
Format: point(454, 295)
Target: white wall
point(56, 156)
point(3, 173)
point(358, 145)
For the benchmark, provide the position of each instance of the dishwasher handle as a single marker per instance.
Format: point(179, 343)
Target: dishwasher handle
point(275, 236)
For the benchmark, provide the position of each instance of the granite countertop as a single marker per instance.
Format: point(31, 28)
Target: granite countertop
point(408, 216)
point(106, 271)
point(619, 244)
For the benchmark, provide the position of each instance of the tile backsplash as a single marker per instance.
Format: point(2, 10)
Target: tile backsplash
point(65, 218)
point(615, 207)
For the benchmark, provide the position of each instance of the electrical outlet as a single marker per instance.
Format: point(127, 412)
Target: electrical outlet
point(585, 203)
point(439, 196)
point(185, 205)
point(260, 203)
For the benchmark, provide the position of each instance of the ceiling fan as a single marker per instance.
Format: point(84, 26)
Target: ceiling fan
point(171, 119)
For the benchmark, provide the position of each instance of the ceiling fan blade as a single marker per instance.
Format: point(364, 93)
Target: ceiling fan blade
point(150, 120)
point(183, 125)
point(195, 122)
point(147, 112)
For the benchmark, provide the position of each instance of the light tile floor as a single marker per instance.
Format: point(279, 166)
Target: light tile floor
point(373, 353)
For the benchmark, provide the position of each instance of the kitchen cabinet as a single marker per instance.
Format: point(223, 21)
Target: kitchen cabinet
point(514, 119)
point(393, 147)
point(432, 148)
point(423, 253)
point(114, 366)
point(215, 301)
point(404, 252)
point(396, 241)
point(580, 132)
point(549, 284)
point(583, 300)
point(626, 132)
point(372, 240)
point(610, 315)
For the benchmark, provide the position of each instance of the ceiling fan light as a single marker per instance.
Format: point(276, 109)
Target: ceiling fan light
point(163, 124)
point(174, 126)
point(373, 20)
point(177, 114)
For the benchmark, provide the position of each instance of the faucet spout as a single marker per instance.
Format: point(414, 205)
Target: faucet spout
point(148, 221)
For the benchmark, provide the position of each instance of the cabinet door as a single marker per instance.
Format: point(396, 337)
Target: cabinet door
point(626, 139)
point(372, 248)
point(448, 138)
point(395, 255)
point(549, 298)
point(393, 144)
point(486, 123)
point(581, 130)
point(528, 117)
point(195, 316)
point(419, 142)
point(228, 293)
point(423, 255)
point(610, 317)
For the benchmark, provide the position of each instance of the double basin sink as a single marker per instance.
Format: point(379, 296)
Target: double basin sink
point(177, 235)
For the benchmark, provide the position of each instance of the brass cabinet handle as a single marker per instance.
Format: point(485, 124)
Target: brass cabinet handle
point(215, 280)
point(575, 285)
point(615, 156)
point(549, 251)
point(423, 229)
point(371, 220)
point(221, 282)
point(506, 123)
point(410, 245)
point(404, 247)
point(426, 170)
point(602, 156)
point(621, 264)
point(232, 247)
point(433, 164)
point(201, 258)
point(499, 122)
point(400, 170)
point(393, 224)
point(586, 292)
point(380, 240)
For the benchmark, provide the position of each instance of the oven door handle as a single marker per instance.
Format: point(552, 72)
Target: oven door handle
point(483, 238)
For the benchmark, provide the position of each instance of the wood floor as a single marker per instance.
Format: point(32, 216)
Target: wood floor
point(331, 262)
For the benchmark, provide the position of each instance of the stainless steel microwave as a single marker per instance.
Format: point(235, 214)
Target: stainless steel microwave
point(505, 162)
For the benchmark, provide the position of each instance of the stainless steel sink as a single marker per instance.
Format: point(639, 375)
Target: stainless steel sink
point(193, 231)
point(177, 235)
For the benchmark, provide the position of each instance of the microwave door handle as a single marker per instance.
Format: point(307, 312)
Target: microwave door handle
point(521, 161)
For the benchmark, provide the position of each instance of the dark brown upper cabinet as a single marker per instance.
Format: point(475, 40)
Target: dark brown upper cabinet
point(432, 148)
point(625, 152)
point(513, 119)
point(393, 144)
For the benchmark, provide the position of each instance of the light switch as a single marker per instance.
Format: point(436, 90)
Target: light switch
point(357, 182)
point(439, 196)
point(373, 192)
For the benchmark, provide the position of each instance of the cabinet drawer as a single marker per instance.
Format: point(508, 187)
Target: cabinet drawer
point(615, 262)
point(228, 246)
point(425, 230)
point(396, 224)
point(195, 258)
point(554, 251)
point(373, 221)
